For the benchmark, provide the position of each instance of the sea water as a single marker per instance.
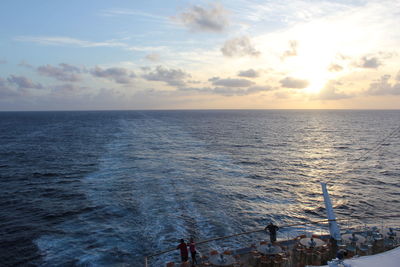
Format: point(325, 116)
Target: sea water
point(105, 188)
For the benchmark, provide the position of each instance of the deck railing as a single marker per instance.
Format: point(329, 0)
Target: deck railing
point(146, 258)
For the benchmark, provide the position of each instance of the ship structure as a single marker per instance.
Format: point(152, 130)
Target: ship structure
point(365, 245)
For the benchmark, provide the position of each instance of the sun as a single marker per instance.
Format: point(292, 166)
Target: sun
point(312, 64)
point(316, 50)
point(316, 85)
point(313, 71)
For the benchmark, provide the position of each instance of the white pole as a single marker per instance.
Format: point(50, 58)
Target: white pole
point(333, 227)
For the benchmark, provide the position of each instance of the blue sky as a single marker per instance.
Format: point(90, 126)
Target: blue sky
point(199, 54)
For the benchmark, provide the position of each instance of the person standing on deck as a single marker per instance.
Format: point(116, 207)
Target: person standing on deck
point(184, 251)
point(271, 228)
point(192, 248)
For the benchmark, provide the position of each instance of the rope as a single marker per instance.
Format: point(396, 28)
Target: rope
point(379, 145)
point(376, 148)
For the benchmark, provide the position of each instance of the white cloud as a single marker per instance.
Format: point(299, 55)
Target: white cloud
point(292, 51)
point(64, 72)
point(173, 77)
point(250, 73)
point(239, 47)
point(330, 92)
point(228, 82)
point(383, 86)
point(228, 91)
point(129, 12)
point(153, 57)
point(335, 67)
point(25, 64)
point(289, 12)
point(212, 18)
point(5, 90)
point(67, 41)
point(119, 75)
point(23, 83)
point(290, 82)
point(370, 62)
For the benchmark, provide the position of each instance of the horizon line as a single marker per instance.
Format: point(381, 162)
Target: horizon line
point(211, 109)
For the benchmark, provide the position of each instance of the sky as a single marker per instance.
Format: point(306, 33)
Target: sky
point(234, 54)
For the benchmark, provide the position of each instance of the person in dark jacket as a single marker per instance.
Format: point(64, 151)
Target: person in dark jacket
point(271, 228)
point(184, 251)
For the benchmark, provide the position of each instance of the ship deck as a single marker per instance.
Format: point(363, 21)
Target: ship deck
point(299, 252)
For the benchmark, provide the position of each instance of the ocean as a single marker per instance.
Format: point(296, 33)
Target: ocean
point(106, 188)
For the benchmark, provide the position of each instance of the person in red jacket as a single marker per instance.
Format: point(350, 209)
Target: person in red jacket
point(192, 248)
point(184, 251)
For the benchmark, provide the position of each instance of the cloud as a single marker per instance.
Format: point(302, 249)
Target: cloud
point(193, 81)
point(3, 61)
point(259, 88)
point(212, 18)
point(239, 47)
point(64, 72)
point(70, 68)
point(370, 63)
point(67, 41)
point(71, 90)
point(65, 88)
point(228, 91)
point(250, 73)
point(25, 64)
point(335, 68)
point(330, 92)
point(292, 51)
point(382, 86)
point(23, 83)
point(119, 75)
point(153, 57)
point(282, 95)
point(230, 82)
point(290, 82)
point(173, 77)
point(5, 90)
point(129, 12)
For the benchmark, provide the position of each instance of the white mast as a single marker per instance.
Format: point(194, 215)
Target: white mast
point(333, 227)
